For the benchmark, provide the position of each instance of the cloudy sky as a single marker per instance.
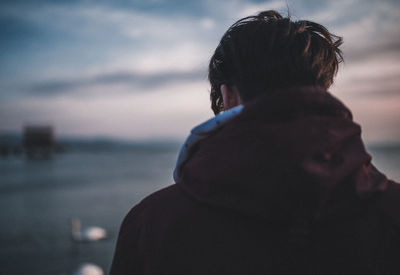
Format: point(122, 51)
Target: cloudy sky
point(137, 69)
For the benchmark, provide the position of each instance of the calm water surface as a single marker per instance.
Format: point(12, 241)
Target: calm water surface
point(38, 199)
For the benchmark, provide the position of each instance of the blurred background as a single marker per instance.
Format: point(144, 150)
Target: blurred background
point(97, 96)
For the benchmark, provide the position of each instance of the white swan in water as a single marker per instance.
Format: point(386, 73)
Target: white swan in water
point(87, 234)
point(89, 269)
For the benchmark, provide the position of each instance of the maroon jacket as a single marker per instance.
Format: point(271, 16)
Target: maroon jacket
point(286, 187)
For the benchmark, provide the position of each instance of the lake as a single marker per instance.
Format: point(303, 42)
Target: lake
point(98, 186)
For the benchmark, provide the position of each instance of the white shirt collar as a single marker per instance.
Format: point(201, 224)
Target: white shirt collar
point(201, 132)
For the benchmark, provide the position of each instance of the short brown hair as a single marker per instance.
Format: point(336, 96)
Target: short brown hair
point(266, 52)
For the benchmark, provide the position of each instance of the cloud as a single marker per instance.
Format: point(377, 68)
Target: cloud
point(99, 19)
point(90, 37)
point(376, 76)
point(80, 51)
point(168, 112)
point(368, 27)
point(254, 8)
point(142, 81)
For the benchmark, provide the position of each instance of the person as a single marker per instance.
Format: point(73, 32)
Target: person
point(279, 181)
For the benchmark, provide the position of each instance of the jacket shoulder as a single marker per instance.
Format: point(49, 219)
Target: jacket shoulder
point(137, 233)
point(159, 208)
point(167, 200)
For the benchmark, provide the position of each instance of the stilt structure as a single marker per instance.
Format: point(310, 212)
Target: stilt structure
point(38, 141)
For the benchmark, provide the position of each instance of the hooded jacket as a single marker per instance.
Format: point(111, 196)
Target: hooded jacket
point(283, 186)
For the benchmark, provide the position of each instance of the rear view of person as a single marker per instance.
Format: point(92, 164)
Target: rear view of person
point(279, 181)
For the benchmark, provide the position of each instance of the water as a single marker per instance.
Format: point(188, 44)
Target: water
point(387, 160)
point(38, 199)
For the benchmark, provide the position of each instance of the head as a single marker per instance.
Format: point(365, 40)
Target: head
point(264, 53)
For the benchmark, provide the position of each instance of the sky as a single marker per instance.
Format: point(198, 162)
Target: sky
point(137, 70)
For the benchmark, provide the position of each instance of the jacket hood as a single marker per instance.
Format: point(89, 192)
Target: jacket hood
point(294, 153)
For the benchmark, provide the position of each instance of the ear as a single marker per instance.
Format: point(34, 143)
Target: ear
point(230, 97)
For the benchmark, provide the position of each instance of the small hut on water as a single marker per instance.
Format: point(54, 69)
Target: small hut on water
point(38, 141)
